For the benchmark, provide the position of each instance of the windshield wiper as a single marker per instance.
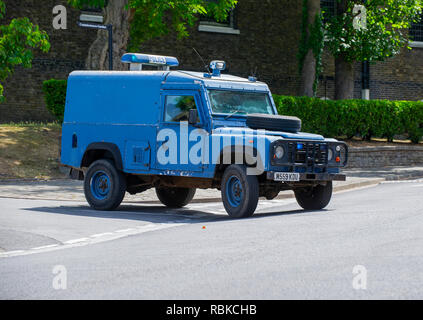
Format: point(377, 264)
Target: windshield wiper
point(233, 113)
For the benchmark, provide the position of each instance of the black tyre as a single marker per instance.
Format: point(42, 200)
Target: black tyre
point(274, 122)
point(175, 197)
point(240, 192)
point(314, 198)
point(104, 185)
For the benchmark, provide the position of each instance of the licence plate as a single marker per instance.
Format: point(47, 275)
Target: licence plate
point(286, 176)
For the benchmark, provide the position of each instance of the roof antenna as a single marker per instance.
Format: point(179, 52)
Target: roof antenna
point(255, 72)
point(202, 61)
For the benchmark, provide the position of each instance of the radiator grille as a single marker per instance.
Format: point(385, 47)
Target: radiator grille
point(310, 154)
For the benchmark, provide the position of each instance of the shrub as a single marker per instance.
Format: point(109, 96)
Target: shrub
point(55, 97)
point(349, 118)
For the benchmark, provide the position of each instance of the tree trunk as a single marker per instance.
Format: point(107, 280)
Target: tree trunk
point(98, 54)
point(308, 73)
point(344, 79)
point(344, 72)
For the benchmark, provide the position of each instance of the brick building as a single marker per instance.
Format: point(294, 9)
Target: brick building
point(260, 37)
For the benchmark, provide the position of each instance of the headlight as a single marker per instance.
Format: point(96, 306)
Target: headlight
point(338, 148)
point(279, 152)
point(330, 154)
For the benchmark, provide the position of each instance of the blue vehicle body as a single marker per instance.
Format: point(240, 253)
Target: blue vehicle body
point(121, 114)
point(126, 109)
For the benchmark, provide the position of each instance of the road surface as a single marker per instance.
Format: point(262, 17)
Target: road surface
point(368, 244)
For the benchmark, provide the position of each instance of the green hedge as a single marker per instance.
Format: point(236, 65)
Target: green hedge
point(349, 118)
point(55, 97)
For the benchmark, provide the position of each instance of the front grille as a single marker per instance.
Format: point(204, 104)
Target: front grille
point(310, 154)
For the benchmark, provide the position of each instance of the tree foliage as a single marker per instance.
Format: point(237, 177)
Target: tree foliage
point(385, 34)
point(154, 18)
point(18, 39)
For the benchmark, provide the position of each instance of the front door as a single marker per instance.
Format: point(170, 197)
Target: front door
point(181, 147)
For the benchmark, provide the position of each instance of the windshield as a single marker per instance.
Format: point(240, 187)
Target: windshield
point(236, 102)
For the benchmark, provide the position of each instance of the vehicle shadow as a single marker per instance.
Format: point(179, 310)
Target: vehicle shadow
point(159, 213)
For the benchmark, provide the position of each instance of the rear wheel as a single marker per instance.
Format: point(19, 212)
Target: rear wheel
point(175, 197)
point(314, 198)
point(104, 185)
point(240, 192)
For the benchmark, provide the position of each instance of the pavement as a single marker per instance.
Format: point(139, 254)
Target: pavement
point(367, 244)
point(71, 190)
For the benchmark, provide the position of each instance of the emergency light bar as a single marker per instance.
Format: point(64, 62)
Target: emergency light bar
point(136, 60)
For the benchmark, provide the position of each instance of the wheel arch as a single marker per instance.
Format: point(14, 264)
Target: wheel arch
point(250, 157)
point(100, 150)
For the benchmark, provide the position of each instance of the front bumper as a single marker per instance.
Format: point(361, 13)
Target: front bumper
point(314, 176)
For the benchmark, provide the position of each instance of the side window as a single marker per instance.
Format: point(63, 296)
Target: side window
point(177, 108)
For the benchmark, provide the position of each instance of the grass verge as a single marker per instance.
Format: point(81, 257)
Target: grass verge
point(29, 151)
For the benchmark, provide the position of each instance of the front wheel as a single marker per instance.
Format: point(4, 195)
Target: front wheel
point(314, 198)
point(240, 192)
point(104, 185)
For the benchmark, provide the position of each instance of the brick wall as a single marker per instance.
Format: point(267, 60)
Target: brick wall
point(267, 43)
point(385, 156)
point(24, 98)
point(398, 78)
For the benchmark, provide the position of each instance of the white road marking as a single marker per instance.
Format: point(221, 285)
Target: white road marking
point(45, 247)
point(15, 252)
point(125, 230)
point(101, 234)
point(75, 240)
point(96, 238)
point(402, 181)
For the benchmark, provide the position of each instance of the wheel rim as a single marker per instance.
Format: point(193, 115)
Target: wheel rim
point(234, 191)
point(100, 185)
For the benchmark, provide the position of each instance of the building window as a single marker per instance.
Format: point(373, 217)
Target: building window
point(416, 31)
point(328, 6)
point(94, 8)
point(228, 26)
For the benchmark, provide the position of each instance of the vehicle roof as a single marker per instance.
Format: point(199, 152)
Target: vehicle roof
point(224, 81)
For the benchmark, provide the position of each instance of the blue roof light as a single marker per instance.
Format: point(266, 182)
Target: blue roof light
point(148, 59)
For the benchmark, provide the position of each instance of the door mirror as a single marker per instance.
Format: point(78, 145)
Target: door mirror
point(193, 116)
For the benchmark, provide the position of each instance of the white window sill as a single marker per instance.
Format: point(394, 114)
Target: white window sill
point(217, 29)
point(416, 44)
point(86, 17)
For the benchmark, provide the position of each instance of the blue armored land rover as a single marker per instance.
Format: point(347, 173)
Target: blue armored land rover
point(175, 131)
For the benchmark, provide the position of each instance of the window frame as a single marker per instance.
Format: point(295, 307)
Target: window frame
point(219, 27)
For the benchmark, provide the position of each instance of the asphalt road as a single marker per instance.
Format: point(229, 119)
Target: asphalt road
point(150, 252)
